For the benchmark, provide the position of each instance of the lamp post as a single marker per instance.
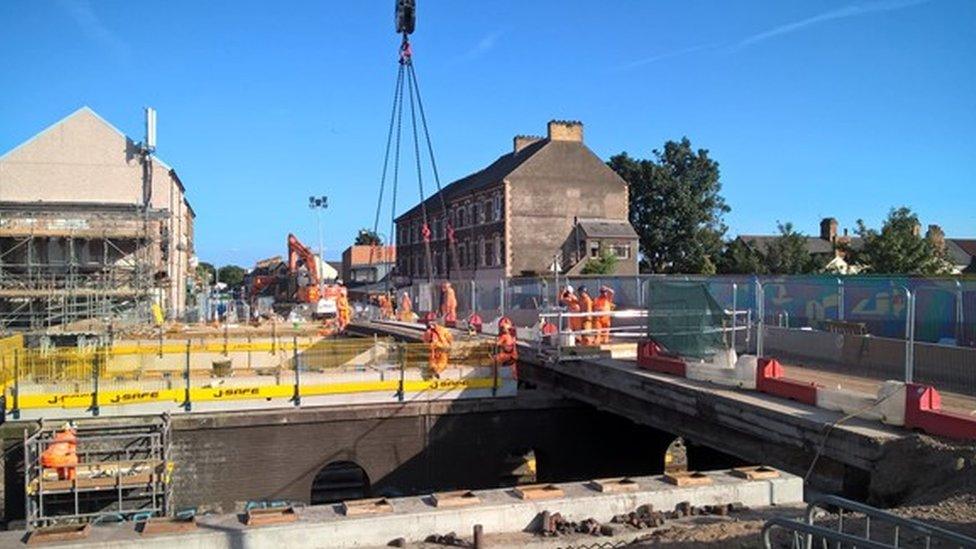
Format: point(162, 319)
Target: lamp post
point(319, 203)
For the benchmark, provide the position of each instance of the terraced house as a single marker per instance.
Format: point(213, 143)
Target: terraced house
point(550, 201)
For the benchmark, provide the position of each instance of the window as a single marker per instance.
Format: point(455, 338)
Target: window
point(470, 214)
point(488, 210)
point(460, 250)
point(482, 256)
point(497, 251)
point(594, 250)
point(496, 208)
point(622, 251)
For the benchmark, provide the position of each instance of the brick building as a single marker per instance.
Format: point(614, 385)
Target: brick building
point(367, 264)
point(550, 199)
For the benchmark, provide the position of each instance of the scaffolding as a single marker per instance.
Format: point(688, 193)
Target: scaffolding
point(65, 263)
point(122, 474)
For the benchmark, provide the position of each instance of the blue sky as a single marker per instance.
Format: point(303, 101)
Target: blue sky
point(813, 109)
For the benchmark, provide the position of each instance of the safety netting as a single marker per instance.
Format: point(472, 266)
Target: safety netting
point(686, 319)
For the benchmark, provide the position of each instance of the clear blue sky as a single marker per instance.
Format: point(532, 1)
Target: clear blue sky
point(828, 108)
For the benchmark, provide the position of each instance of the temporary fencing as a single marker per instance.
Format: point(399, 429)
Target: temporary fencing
point(180, 375)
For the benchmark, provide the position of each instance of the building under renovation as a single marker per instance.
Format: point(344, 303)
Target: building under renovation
point(549, 202)
point(92, 226)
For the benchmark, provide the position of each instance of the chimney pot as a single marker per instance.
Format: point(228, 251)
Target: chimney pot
point(566, 130)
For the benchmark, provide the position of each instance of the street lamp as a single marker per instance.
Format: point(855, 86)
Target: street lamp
point(319, 203)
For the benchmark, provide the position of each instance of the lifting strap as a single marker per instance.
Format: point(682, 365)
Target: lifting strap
point(406, 76)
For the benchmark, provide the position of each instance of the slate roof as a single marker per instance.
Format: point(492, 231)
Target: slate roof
point(961, 250)
point(494, 173)
point(607, 228)
point(814, 245)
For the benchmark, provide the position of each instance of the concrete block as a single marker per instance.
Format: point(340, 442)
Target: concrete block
point(742, 374)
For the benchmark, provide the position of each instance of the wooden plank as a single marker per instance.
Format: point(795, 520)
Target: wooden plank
point(687, 478)
point(168, 525)
point(538, 491)
point(83, 484)
point(360, 507)
point(458, 498)
point(54, 534)
point(755, 472)
point(614, 485)
point(272, 515)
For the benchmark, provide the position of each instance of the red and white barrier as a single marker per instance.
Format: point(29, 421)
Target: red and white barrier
point(911, 405)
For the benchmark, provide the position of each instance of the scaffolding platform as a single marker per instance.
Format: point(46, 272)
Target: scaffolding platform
point(122, 473)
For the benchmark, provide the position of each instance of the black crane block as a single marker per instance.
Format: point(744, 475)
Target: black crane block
point(406, 16)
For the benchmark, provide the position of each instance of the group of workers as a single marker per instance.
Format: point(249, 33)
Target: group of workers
point(592, 329)
point(439, 340)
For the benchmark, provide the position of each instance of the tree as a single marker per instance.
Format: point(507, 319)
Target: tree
point(366, 237)
point(206, 272)
point(605, 264)
point(899, 248)
point(675, 207)
point(788, 254)
point(231, 275)
point(741, 257)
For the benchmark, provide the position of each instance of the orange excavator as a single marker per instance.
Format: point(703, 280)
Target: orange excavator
point(303, 265)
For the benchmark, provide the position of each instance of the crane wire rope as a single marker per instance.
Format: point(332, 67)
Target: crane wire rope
point(406, 76)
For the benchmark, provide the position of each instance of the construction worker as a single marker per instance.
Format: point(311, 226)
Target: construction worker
point(344, 311)
point(439, 339)
point(603, 304)
point(448, 304)
point(586, 306)
point(386, 306)
point(62, 454)
point(506, 353)
point(572, 303)
point(406, 308)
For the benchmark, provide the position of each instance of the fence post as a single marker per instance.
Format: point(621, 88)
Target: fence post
point(225, 339)
point(298, 375)
point(186, 377)
point(160, 341)
point(16, 410)
point(474, 299)
point(840, 299)
point(960, 314)
point(735, 310)
point(761, 322)
point(909, 336)
point(402, 359)
point(501, 295)
point(95, 365)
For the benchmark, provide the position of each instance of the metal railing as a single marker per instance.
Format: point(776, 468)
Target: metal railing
point(900, 530)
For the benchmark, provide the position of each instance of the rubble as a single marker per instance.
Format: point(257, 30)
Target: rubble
point(642, 518)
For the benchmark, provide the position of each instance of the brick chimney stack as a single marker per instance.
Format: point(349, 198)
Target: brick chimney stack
point(936, 236)
point(566, 130)
point(522, 141)
point(828, 229)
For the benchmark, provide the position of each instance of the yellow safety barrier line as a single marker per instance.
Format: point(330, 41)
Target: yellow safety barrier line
point(213, 394)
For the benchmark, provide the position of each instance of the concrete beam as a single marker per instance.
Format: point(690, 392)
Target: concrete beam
point(414, 518)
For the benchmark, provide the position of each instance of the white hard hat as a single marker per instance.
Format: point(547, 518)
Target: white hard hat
point(568, 288)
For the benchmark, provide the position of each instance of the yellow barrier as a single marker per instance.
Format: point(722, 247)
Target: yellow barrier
point(72, 371)
point(178, 396)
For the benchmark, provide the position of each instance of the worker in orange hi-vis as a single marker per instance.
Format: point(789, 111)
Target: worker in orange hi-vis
point(343, 310)
point(603, 304)
point(572, 303)
point(586, 306)
point(62, 454)
point(439, 339)
point(406, 308)
point(386, 307)
point(448, 304)
point(506, 347)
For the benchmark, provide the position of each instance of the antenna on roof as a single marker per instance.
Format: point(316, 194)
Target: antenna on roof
point(150, 143)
